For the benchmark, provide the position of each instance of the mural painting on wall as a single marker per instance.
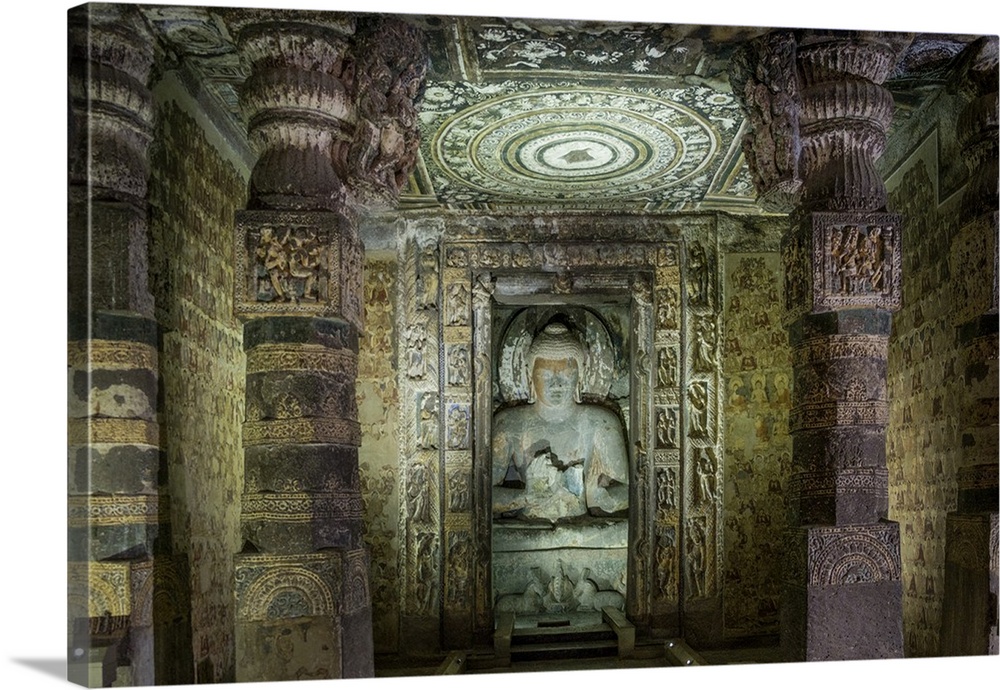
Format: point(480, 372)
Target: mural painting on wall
point(378, 406)
point(924, 434)
point(757, 367)
point(560, 459)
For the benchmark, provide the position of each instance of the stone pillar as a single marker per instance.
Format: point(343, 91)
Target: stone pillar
point(329, 104)
point(117, 502)
point(969, 624)
point(818, 116)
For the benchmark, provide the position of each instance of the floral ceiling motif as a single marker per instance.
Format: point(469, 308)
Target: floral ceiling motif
point(553, 114)
point(528, 143)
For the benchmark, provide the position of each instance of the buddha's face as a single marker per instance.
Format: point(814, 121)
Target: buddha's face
point(555, 381)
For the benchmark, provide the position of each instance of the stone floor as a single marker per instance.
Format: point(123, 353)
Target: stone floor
point(647, 656)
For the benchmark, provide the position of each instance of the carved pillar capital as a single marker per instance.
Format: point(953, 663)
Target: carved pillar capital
point(111, 54)
point(330, 105)
point(818, 117)
point(296, 105)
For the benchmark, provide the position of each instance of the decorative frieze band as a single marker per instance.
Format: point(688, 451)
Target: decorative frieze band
point(269, 357)
point(827, 414)
point(301, 507)
point(310, 430)
point(862, 480)
point(112, 355)
point(102, 511)
point(113, 430)
point(828, 347)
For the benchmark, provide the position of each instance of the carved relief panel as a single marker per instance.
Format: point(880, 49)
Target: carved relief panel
point(652, 351)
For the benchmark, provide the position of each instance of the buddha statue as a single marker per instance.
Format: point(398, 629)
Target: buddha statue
point(557, 458)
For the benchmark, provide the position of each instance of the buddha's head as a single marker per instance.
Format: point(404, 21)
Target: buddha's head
point(555, 364)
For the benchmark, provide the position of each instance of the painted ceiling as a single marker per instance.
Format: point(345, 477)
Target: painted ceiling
point(559, 115)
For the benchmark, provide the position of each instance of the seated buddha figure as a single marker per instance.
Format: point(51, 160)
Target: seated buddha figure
point(556, 457)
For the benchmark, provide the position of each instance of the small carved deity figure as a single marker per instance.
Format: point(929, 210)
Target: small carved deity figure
point(458, 427)
point(415, 339)
point(557, 457)
point(666, 368)
point(704, 345)
point(423, 583)
point(274, 260)
point(417, 490)
point(698, 397)
point(666, 488)
point(458, 491)
point(427, 279)
point(705, 468)
point(458, 365)
point(666, 309)
point(846, 259)
point(458, 304)
point(698, 270)
point(428, 437)
point(665, 558)
point(695, 560)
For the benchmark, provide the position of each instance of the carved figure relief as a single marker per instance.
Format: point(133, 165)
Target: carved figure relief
point(704, 345)
point(698, 399)
point(457, 304)
point(562, 593)
point(858, 257)
point(428, 428)
point(415, 340)
point(427, 279)
point(458, 427)
point(458, 365)
point(667, 307)
point(557, 457)
point(666, 560)
point(699, 271)
point(666, 488)
point(705, 470)
point(423, 583)
point(418, 493)
point(666, 427)
point(696, 558)
point(291, 266)
point(458, 490)
point(459, 556)
point(666, 367)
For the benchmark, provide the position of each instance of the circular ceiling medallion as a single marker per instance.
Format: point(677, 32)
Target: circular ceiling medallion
point(575, 144)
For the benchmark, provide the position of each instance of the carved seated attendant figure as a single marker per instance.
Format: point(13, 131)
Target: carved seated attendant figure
point(556, 457)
